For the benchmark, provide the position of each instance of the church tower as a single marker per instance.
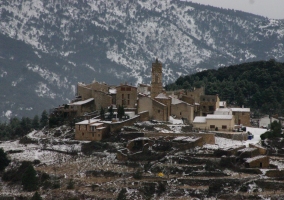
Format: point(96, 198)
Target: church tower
point(157, 81)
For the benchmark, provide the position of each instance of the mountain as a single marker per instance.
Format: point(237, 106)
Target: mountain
point(48, 46)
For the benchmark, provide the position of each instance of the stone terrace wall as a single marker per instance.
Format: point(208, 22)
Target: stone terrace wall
point(241, 136)
point(208, 138)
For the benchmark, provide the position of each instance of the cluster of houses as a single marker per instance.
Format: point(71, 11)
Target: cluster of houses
point(148, 102)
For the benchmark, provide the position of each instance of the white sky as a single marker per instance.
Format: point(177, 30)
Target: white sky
point(273, 9)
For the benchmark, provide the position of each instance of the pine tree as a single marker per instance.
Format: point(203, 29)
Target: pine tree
point(102, 113)
point(29, 179)
point(4, 161)
point(35, 122)
point(44, 119)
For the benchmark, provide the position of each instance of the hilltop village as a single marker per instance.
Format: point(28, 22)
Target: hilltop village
point(100, 105)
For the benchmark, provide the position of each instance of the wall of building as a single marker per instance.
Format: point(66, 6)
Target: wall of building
point(117, 126)
point(160, 111)
point(211, 124)
point(188, 100)
point(145, 104)
point(101, 99)
point(99, 87)
point(167, 102)
point(83, 91)
point(208, 104)
point(144, 116)
point(183, 110)
point(126, 95)
point(264, 162)
point(83, 132)
point(242, 118)
point(195, 95)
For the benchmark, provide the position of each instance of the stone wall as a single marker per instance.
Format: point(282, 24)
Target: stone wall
point(116, 126)
point(241, 136)
point(207, 138)
point(144, 116)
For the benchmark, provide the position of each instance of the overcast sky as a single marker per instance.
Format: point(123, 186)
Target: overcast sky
point(273, 9)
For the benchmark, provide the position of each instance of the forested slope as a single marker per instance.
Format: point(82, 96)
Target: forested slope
point(258, 85)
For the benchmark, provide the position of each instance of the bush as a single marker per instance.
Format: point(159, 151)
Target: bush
point(71, 185)
point(138, 174)
point(29, 179)
point(122, 194)
point(15, 175)
point(4, 161)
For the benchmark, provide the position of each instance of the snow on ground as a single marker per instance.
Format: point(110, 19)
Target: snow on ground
point(224, 142)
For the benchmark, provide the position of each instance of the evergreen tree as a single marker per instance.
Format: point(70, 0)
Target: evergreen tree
point(110, 110)
point(122, 194)
point(35, 122)
point(44, 119)
point(4, 161)
point(120, 112)
point(102, 113)
point(29, 179)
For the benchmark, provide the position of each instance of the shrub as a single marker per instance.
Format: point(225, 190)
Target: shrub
point(36, 196)
point(4, 161)
point(29, 179)
point(71, 185)
point(122, 194)
point(138, 174)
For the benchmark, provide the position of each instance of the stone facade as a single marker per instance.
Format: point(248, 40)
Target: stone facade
point(257, 162)
point(126, 95)
point(196, 94)
point(242, 116)
point(157, 79)
point(208, 104)
point(90, 130)
point(183, 110)
point(162, 98)
point(102, 99)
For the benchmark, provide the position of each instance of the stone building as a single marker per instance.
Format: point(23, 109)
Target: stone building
point(182, 109)
point(91, 130)
point(196, 94)
point(257, 162)
point(214, 122)
point(208, 104)
point(126, 95)
point(157, 79)
point(242, 116)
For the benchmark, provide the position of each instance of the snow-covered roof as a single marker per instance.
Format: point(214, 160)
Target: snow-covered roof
point(162, 96)
point(199, 120)
point(88, 121)
point(77, 103)
point(240, 109)
point(254, 158)
point(219, 116)
point(100, 128)
point(223, 111)
point(112, 90)
point(97, 124)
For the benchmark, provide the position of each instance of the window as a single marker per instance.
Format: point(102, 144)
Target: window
point(128, 89)
point(128, 96)
point(211, 108)
point(212, 126)
point(224, 126)
point(82, 134)
point(122, 88)
point(99, 135)
point(158, 111)
point(243, 113)
point(180, 113)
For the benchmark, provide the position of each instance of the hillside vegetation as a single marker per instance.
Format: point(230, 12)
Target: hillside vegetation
point(258, 85)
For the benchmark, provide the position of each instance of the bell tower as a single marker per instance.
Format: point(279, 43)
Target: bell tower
point(157, 79)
